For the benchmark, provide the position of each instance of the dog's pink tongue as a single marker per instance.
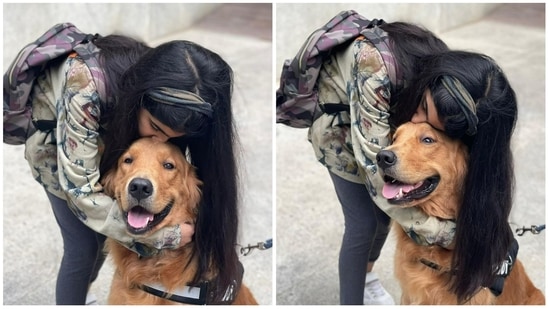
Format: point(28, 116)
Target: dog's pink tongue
point(138, 217)
point(392, 190)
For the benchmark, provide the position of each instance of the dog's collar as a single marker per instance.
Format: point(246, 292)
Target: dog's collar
point(193, 295)
point(143, 251)
point(206, 293)
point(435, 266)
point(502, 270)
point(203, 294)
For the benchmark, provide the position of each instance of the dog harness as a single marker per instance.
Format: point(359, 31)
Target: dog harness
point(206, 293)
point(505, 268)
point(502, 271)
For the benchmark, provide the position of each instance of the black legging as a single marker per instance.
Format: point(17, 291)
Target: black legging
point(82, 255)
point(366, 229)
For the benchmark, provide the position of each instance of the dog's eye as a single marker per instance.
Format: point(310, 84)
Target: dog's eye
point(128, 160)
point(427, 140)
point(169, 166)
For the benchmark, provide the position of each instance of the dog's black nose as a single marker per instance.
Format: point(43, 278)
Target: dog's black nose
point(140, 188)
point(386, 158)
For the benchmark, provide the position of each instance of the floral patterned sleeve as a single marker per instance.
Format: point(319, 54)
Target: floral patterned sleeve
point(369, 96)
point(78, 161)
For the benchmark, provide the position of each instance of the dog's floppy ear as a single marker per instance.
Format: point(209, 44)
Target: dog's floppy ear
point(108, 181)
point(191, 186)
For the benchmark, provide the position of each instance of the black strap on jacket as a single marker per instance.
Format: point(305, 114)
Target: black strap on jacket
point(44, 125)
point(334, 108)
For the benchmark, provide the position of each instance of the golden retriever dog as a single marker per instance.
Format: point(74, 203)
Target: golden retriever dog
point(426, 169)
point(155, 186)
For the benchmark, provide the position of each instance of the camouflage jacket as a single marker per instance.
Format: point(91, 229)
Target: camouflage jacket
point(361, 76)
point(66, 160)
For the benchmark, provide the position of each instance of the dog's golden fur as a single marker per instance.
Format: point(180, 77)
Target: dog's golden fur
point(171, 180)
point(420, 152)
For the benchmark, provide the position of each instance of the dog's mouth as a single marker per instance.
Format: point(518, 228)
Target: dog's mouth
point(139, 220)
point(398, 192)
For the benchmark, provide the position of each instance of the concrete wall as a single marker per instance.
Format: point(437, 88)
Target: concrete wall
point(24, 23)
point(294, 22)
point(150, 22)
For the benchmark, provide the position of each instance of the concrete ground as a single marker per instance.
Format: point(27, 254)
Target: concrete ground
point(32, 244)
point(309, 220)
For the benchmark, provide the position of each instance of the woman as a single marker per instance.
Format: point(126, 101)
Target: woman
point(178, 91)
point(370, 81)
point(468, 97)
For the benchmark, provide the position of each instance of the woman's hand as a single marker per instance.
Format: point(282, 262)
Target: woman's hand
point(187, 233)
point(173, 237)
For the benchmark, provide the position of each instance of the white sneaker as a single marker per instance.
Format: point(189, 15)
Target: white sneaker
point(374, 293)
point(91, 300)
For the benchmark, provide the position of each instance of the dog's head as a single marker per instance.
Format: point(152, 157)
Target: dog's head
point(425, 168)
point(155, 186)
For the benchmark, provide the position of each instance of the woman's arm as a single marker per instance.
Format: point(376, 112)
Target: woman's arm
point(369, 95)
point(78, 160)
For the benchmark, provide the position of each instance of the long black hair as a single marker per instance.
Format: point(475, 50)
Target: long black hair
point(210, 142)
point(118, 53)
point(410, 43)
point(483, 235)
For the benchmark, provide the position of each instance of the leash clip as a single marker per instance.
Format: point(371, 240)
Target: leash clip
point(534, 229)
point(260, 246)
